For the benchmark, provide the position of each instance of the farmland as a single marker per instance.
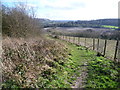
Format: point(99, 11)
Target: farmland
point(108, 26)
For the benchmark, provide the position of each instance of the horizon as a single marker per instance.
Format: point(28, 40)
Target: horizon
point(71, 9)
point(78, 19)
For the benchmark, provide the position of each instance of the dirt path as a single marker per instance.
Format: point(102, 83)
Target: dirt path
point(80, 82)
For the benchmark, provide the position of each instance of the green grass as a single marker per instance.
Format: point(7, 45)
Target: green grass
point(61, 73)
point(108, 26)
point(69, 71)
point(103, 73)
point(110, 49)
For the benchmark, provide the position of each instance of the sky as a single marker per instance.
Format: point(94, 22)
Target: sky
point(72, 9)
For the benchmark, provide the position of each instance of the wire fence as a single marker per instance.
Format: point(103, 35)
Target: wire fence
point(107, 48)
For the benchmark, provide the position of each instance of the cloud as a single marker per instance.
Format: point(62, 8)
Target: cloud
point(81, 9)
point(32, 5)
point(19, 1)
point(66, 7)
point(74, 9)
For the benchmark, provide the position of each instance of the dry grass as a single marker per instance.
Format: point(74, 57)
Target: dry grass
point(25, 59)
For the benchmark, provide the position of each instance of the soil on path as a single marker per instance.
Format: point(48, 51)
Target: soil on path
point(80, 82)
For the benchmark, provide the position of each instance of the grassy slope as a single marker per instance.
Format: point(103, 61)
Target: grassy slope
point(102, 73)
point(61, 73)
point(77, 57)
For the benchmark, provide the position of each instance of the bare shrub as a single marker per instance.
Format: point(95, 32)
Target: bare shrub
point(18, 22)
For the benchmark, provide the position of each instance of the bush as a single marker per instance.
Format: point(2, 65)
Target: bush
point(16, 22)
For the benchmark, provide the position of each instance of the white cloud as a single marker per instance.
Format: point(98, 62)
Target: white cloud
point(75, 9)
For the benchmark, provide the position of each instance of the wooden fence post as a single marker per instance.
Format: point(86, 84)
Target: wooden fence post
point(78, 40)
point(69, 38)
point(105, 47)
point(98, 44)
point(74, 39)
point(66, 38)
point(85, 41)
point(116, 49)
point(93, 43)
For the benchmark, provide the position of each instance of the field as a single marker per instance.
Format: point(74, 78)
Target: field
point(108, 26)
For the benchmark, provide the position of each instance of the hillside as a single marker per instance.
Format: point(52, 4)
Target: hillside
point(53, 63)
point(36, 57)
point(79, 23)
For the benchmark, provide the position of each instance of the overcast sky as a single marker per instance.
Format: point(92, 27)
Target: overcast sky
point(72, 9)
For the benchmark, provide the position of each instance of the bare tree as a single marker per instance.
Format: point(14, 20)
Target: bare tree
point(19, 22)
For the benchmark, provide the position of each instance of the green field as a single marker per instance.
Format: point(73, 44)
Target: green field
point(108, 26)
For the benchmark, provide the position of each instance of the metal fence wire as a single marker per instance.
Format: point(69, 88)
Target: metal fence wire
point(108, 48)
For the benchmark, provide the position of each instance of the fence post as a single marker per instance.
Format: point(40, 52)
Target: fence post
point(116, 49)
point(66, 38)
point(93, 43)
point(69, 38)
point(98, 44)
point(74, 39)
point(105, 47)
point(85, 41)
point(78, 40)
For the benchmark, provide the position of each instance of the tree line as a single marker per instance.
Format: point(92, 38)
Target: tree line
point(91, 23)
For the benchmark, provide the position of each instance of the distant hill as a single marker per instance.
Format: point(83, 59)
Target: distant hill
point(79, 23)
point(112, 22)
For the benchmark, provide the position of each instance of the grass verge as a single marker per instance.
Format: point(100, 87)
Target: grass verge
point(103, 73)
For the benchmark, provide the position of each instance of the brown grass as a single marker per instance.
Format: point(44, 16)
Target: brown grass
point(25, 59)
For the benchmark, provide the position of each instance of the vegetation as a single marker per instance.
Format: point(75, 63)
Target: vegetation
point(103, 73)
point(88, 42)
point(108, 26)
point(32, 60)
point(92, 23)
point(54, 70)
point(18, 22)
point(87, 32)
